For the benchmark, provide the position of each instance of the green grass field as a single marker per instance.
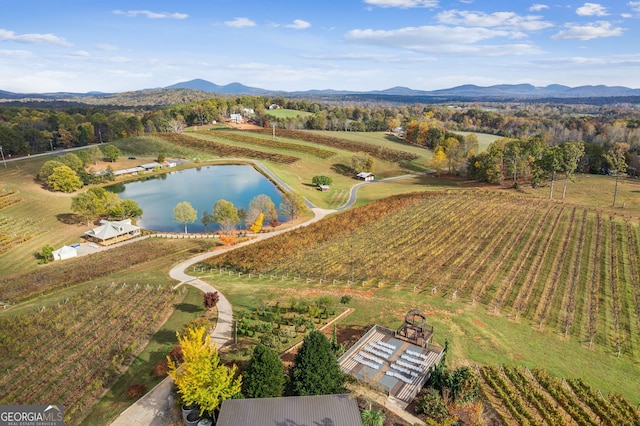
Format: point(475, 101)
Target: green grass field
point(287, 113)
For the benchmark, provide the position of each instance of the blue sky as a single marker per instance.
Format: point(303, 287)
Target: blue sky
point(118, 45)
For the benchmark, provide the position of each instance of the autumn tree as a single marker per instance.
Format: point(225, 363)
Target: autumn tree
point(292, 205)
point(185, 213)
point(551, 162)
point(228, 231)
point(206, 220)
point(95, 154)
point(315, 369)
point(617, 158)
point(202, 378)
point(439, 160)
point(321, 180)
point(362, 162)
point(262, 203)
point(125, 209)
point(256, 226)
point(73, 161)
point(264, 376)
point(111, 153)
point(47, 169)
point(572, 152)
point(225, 211)
point(64, 179)
point(87, 205)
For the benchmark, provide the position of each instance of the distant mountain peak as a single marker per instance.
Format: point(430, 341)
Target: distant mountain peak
point(207, 86)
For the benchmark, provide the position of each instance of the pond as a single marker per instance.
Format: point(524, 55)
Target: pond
point(158, 195)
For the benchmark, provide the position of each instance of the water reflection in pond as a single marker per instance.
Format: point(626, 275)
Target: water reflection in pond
point(202, 187)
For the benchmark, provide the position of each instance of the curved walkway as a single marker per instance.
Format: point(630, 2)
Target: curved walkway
point(155, 407)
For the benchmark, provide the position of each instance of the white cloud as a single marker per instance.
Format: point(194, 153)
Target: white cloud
point(538, 7)
point(626, 15)
point(20, 54)
point(405, 4)
point(299, 24)
point(592, 9)
point(151, 15)
point(589, 31)
point(80, 54)
point(107, 47)
point(240, 22)
point(368, 57)
point(6, 35)
point(634, 5)
point(497, 19)
point(442, 39)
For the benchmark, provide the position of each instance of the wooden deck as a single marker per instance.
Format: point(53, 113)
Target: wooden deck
point(395, 367)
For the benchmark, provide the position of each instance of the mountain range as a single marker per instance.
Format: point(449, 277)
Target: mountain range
point(465, 92)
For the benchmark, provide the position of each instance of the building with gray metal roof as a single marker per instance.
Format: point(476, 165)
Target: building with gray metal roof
point(320, 410)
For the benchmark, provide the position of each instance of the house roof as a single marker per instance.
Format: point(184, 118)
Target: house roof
point(335, 410)
point(108, 230)
point(150, 165)
point(364, 174)
point(65, 251)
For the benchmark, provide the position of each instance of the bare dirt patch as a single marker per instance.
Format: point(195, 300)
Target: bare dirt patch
point(479, 324)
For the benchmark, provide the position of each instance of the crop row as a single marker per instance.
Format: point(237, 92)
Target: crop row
point(14, 231)
point(224, 150)
point(8, 197)
point(601, 406)
point(249, 138)
point(568, 268)
point(18, 287)
point(510, 398)
point(387, 154)
point(72, 351)
point(534, 395)
point(547, 408)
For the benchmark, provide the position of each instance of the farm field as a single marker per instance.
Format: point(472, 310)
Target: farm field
point(89, 337)
point(287, 113)
point(534, 397)
point(475, 335)
point(518, 280)
point(96, 304)
point(330, 156)
point(596, 191)
point(484, 139)
point(560, 270)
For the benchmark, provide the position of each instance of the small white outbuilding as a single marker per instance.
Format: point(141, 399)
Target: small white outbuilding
point(65, 252)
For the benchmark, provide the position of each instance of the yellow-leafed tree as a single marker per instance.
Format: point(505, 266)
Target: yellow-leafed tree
point(439, 160)
point(202, 378)
point(257, 225)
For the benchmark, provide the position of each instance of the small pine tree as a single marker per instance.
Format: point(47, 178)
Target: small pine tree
point(315, 368)
point(264, 376)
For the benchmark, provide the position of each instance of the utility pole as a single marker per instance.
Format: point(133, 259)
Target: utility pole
point(3, 160)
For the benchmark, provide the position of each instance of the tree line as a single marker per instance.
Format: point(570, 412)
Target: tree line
point(262, 210)
point(25, 130)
